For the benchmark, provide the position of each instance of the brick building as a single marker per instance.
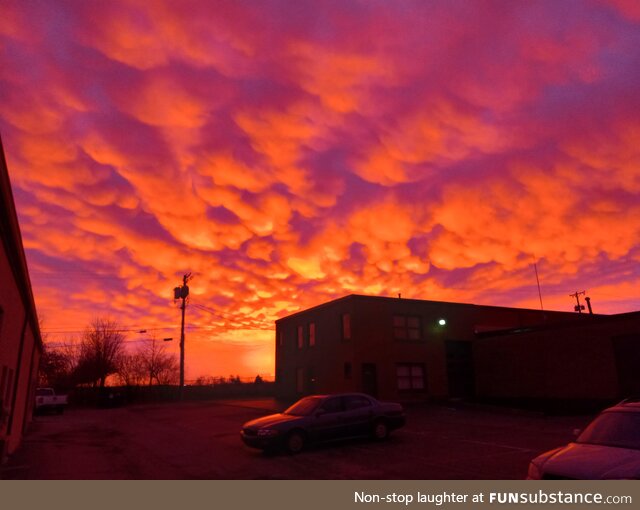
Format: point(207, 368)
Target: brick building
point(572, 364)
point(20, 341)
point(393, 348)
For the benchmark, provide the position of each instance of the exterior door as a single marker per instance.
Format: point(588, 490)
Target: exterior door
point(460, 372)
point(626, 349)
point(369, 379)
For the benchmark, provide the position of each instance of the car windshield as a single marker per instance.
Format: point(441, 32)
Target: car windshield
point(619, 429)
point(304, 407)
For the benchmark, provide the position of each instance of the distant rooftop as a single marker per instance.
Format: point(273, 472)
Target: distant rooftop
point(447, 303)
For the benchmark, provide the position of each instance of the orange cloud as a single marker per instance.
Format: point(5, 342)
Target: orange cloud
point(287, 156)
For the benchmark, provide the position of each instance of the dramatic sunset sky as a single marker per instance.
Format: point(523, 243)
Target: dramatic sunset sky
point(291, 152)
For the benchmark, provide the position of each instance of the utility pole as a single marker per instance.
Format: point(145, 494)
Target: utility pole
point(182, 293)
point(578, 308)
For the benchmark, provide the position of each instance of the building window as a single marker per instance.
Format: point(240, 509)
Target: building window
point(312, 334)
point(280, 338)
point(407, 327)
point(300, 337)
point(410, 376)
point(346, 326)
point(347, 370)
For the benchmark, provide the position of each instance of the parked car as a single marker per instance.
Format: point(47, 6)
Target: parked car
point(609, 448)
point(47, 400)
point(320, 418)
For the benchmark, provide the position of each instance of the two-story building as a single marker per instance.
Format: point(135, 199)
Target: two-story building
point(392, 348)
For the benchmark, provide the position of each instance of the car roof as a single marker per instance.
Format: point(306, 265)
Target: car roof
point(628, 405)
point(350, 394)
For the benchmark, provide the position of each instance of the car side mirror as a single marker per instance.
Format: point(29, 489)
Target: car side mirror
point(576, 432)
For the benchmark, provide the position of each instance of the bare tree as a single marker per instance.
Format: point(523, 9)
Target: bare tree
point(101, 351)
point(132, 371)
point(160, 366)
point(58, 365)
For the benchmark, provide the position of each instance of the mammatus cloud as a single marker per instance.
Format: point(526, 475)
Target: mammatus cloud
point(290, 154)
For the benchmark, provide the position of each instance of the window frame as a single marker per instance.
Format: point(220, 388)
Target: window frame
point(410, 378)
point(345, 327)
point(402, 328)
point(312, 334)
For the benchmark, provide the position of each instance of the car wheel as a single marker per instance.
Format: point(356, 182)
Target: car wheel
point(295, 442)
point(380, 430)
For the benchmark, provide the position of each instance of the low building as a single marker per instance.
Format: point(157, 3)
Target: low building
point(20, 341)
point(569, 365)
point(392, 348)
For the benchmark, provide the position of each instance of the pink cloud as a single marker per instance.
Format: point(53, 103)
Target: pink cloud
point(287, 155)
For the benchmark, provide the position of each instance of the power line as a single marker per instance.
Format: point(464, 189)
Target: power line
point(120, 330)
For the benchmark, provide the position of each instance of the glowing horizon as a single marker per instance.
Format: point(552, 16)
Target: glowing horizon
point(291, 153)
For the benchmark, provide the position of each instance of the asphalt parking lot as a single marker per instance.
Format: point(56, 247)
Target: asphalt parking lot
point(201, 441)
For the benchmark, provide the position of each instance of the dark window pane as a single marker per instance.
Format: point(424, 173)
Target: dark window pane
point(399, 321)
point(404, 383)
point(332, 405)
point(403, 370)
point(356, 402)
point(400, 333)
point(300, 337)
point(312, 334)
point(346, 326)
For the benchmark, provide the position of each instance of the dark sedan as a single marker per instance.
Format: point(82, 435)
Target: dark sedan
point(320, 418)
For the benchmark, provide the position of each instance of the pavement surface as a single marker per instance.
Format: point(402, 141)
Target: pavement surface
point(200, 440)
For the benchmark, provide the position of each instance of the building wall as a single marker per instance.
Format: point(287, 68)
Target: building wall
point(569, 362)
point(20, 342)
point(373, 343)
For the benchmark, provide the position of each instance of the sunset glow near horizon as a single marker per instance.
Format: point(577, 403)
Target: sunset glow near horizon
point(289, 153)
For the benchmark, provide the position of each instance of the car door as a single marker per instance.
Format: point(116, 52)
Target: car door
point(329, 422)
point(358, 414)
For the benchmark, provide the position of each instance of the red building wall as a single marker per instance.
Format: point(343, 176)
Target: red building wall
point(373, 344)
point(20, 342)
point(573, 361)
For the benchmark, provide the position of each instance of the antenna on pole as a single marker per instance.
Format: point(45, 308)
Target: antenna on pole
point(578, 308)
point(181, 293)
point(535, 268)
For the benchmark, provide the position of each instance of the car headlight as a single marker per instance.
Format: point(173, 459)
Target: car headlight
point(267, 432)
point(534, 473)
